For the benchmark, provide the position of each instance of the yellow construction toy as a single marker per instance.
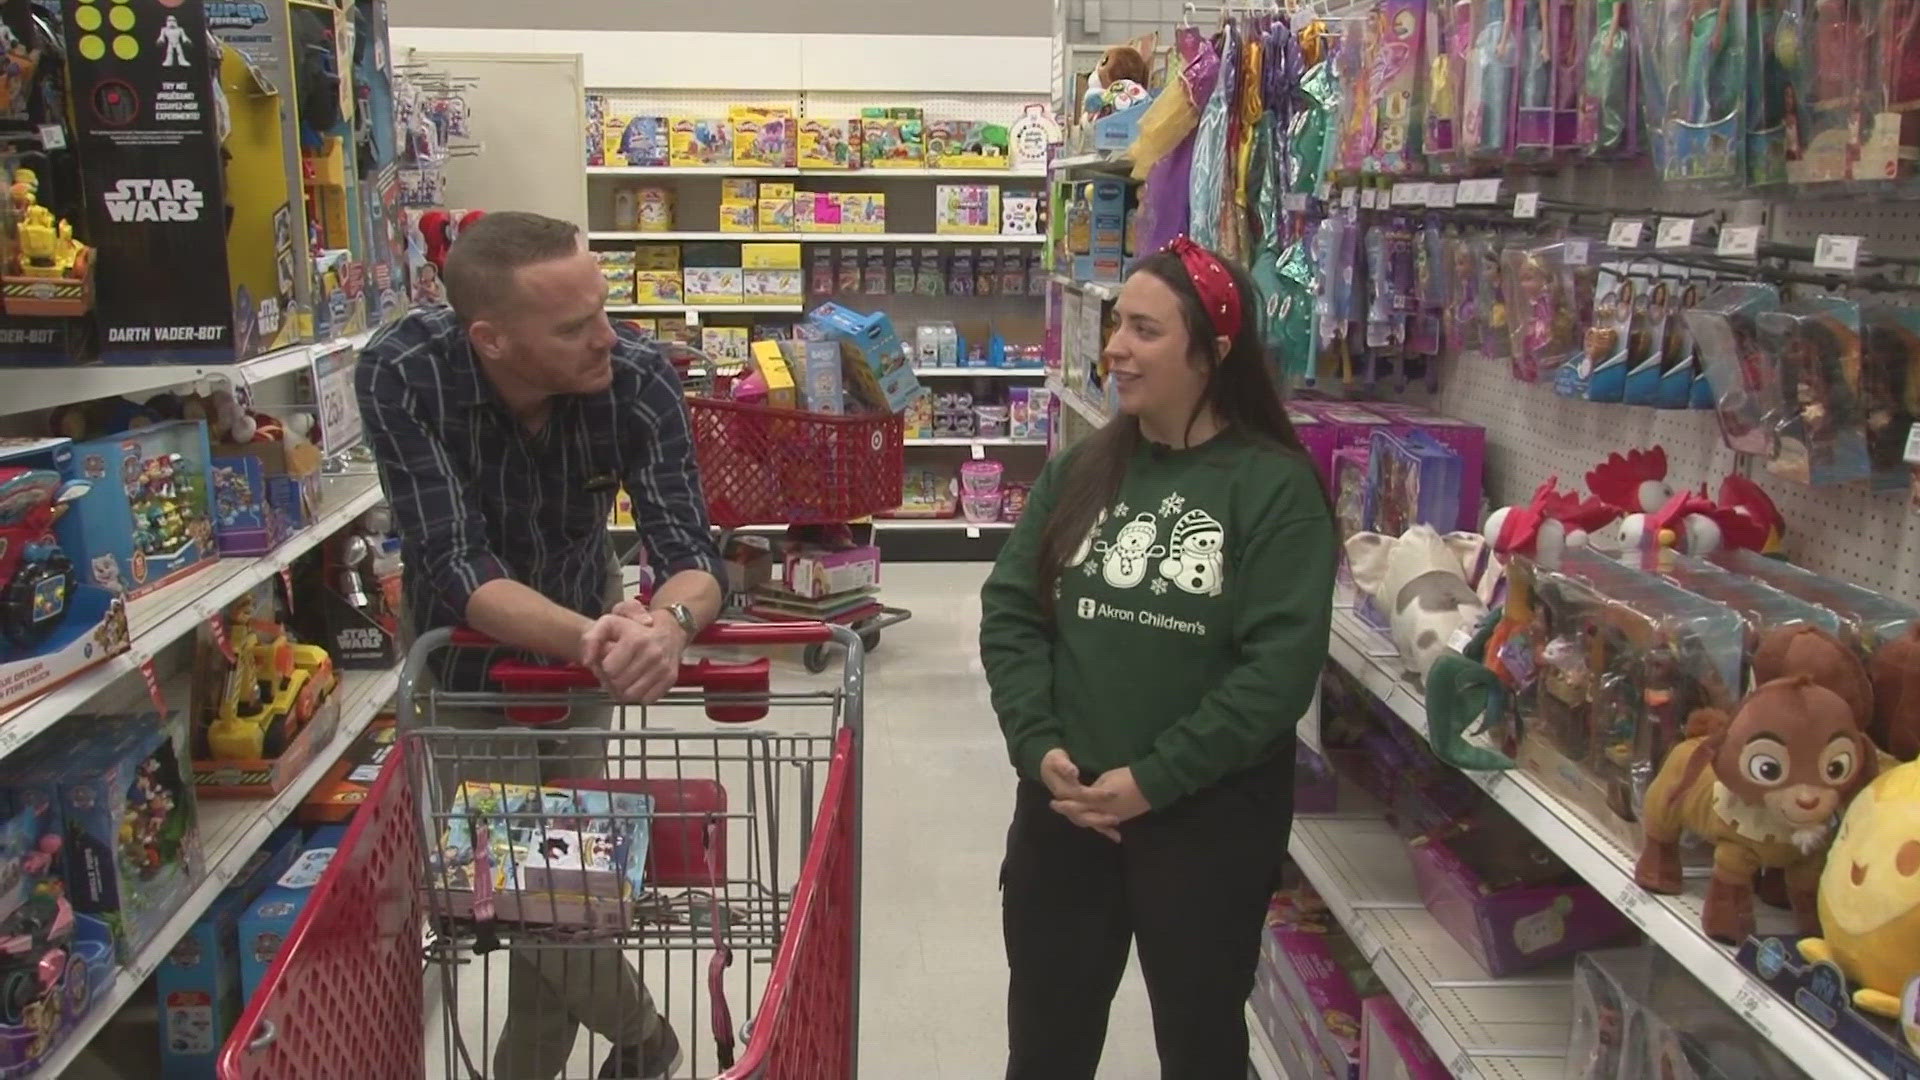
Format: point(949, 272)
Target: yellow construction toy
point(272, 692)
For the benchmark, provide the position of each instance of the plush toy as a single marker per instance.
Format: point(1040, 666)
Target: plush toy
point(1689, 521)
point(1120, 64)
point(1869, 901)
point(1896, 695)
point(1764, 787)
point(1634, 482)
point(1420, 580)
point(1746, 497)
point(1547, 525)
point(1808, 650)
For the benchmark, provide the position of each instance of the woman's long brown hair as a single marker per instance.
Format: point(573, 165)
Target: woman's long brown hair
point(1240, 391)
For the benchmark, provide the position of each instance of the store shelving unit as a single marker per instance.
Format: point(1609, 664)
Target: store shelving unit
point(1265, 1059)
point(641, 172)
point(709, 309)
point(985, 239)
point(169, 613)
point(30, 389)
point(231, 830)
point(974, 442)
point(979, 372)
point(1670, 922)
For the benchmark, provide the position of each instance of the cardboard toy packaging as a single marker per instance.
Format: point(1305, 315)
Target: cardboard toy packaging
point(876, 366)
point(267, 921)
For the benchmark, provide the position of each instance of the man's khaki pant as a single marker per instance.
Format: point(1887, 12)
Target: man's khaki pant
point(552, 991)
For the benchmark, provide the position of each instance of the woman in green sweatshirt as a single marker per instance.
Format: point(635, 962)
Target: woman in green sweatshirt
point(1152, 631)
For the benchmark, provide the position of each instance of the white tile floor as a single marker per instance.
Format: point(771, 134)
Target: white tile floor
point(939, 792)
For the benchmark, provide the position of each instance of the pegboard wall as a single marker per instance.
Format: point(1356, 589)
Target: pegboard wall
point(1846, 531)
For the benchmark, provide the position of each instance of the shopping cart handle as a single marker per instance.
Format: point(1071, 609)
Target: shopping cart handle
point(744, 635)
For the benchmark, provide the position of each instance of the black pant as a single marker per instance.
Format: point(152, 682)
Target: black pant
point(1190, 883)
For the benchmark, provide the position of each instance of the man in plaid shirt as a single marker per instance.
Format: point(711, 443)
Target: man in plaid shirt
point(504, 425)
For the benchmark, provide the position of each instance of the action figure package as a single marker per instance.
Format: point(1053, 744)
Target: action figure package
point(1823, 39)
point(1460, 319)
point(1546, 114)
point(1868, 619)
point(1610, 661)
point(1449, 36)
point(1490, 305)
point(1762, 607)
point(1727, 335)
point(1811, 351)
point(1890, 385)
point(1540, 318)
point(1693, 63)
point(1891, 147)
point(1637, 1012)
point(1616, 340)
point(1663, 376)
point(1609, 94)
point(1392, 105)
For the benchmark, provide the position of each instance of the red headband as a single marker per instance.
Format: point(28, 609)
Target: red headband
point(1218, 294)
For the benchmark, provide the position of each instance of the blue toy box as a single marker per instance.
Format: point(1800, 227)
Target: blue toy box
point(245, 519)
point(131, 835)
point(45, 1001)
point(267, 921)
point(146, 520)
point(198, 985)
point(878, 374)
point(57, 626)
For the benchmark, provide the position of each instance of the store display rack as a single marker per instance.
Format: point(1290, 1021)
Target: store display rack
point(725, 171)
point(980, 372)
point(710, 309)
point(231, 830)
point(1671, 922)
point(989, 239)
point(33, 388)
point(1265, 1059)
point(974, 442)
point(171, 612)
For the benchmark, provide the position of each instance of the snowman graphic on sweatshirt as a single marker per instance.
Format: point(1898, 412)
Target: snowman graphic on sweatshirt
point(1127, 557)
point(1195, 562)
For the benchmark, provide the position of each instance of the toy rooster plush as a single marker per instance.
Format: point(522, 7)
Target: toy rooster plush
point(1691, 522)
point(1634, 482)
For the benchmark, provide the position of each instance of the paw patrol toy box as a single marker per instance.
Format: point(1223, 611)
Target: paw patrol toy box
point(54, 623)
point(145, 518)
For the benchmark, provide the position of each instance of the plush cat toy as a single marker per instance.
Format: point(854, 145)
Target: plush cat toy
point(1420, 579)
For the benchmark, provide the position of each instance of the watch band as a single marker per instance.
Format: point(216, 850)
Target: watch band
point(685, 618)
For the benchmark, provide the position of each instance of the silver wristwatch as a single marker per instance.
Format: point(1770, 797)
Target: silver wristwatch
point(685, 618)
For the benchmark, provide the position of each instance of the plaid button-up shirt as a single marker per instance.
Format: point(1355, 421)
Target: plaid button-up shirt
point(477, 497)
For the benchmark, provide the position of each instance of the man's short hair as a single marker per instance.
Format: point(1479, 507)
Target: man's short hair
point(483, 259)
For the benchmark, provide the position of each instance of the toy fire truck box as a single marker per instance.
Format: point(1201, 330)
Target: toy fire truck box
point(55, 624)
point(145, 520)
point(338, 794)
point(131, 823)
point(875, 364)
point(269, 920)
point(263, 704)
point(54, 968)
point(198, 984)
point(196, 236)
point(560, 855)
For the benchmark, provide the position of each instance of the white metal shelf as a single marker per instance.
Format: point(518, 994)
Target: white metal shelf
point(171, 612)
point(683, 309)
point(1093, 412)
point(1105, 290)
point(971, 528)
point(231, 830)
point(1265, 1059)
point(980, 373)
point(30, 389)
point(1671, 922)
point(1359, 866)
point(822, 237)
point(944, 441)
point(722, 171)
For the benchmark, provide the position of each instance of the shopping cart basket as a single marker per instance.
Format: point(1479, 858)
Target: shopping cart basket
point(765, 466)
point(748, 812)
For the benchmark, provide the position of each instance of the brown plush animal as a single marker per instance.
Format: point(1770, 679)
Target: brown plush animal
point(1765, 788)
point(1121, 62)
point(1810, 651)
point(1896, 695)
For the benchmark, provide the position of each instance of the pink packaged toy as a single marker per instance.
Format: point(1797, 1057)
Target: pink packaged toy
point(1317, 438)
point(1309, 969)
point(1391, 1048)
point(980, 491)
point(1468, 440)
point(817, 574)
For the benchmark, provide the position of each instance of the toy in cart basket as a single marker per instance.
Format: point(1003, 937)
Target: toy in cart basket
point(569, 857)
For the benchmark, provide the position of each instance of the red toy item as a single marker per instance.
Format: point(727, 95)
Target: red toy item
point(1746, 498)
point(36, 576)
point(1633, 483)
point(1695, 524)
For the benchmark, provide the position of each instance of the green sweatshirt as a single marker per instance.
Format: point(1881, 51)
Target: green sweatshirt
point(1191, 626)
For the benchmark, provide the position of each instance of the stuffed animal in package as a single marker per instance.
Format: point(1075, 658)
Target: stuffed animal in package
point(1419, 579)
point(1765, 787)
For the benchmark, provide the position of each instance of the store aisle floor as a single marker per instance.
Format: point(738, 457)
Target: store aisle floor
point(939, 791)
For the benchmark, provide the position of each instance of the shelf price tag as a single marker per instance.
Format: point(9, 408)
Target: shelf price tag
point(1912, 455)
point(1419, 1011)
point(1443, 196)
point(1739, 242)
point(1751, 1002)
point(973, 533)
point(53, 137)
point(1625, 233)
point(1526, 205)
point(1578, 252)
point(1673, 232)
point(1836, 252)
point(1462, 1067)
point(979, 451)
point(1294, 202)
point(339, 406)
point(1349, 197)
point(1629, 899)
point(1480, 192)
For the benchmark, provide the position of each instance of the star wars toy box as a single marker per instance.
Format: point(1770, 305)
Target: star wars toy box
point(198, 984)
point(562, 855)
point(56, 624)
point(146, 520)
point(268, 921)
point(199, 242)
point(341, 792)
point(54, 973)
point(873, 359)
point(131, 833)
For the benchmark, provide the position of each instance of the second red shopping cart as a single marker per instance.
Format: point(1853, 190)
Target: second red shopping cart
point(508, 847)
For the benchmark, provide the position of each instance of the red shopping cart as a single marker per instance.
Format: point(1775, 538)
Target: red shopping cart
point(741, 804)
point(767, 466)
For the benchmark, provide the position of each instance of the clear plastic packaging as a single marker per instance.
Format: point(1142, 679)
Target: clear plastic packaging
point(1488, 95)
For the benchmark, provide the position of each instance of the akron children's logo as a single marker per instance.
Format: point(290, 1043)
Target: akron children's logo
point(154, 200)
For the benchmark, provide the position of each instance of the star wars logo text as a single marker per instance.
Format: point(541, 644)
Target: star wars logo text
point(154, 200)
